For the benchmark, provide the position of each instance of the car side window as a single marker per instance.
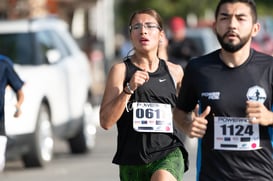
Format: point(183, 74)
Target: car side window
point(49, 40)
point(60, 44)
point(18, 47)
point(44, 44)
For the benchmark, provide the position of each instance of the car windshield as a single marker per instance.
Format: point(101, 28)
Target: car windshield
point(18, 47)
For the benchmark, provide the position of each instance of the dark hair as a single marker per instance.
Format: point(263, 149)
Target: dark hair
point(250, 3)
point(150, 12)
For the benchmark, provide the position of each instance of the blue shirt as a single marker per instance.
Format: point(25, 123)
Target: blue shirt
point(8, 76)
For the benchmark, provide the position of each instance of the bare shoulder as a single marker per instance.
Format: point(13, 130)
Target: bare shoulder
point(116, 76)
point(114, 82)
point(117, 68)
point(175, 70)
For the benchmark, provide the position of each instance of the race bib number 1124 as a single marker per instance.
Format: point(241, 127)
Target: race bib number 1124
point(235, 133)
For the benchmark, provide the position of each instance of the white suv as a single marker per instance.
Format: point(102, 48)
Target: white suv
point(57, 90)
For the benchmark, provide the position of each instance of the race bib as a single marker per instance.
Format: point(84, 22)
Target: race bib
point(152, 117)
point(235, 133)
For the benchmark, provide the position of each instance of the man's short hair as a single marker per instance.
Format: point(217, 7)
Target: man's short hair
point(250, 3)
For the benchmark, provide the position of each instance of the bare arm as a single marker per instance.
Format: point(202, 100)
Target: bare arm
point(20, 99)
point(114, 99)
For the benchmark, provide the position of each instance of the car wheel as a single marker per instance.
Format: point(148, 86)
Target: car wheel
point(41, 149)
point(84, 140)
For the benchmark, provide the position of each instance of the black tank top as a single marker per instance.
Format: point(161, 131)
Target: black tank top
point(134, 147)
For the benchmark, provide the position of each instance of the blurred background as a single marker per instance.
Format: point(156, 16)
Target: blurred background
point(100, 28)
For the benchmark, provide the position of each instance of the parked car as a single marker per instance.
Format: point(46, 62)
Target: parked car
point(58, 97)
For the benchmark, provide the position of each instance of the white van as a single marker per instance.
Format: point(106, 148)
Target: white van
point(57, 90)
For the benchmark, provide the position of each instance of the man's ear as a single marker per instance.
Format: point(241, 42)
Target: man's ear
point(256, 29)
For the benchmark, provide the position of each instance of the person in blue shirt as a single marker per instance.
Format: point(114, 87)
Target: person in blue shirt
point(8, 77)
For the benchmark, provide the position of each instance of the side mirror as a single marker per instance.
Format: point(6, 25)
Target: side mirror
point(53, 56)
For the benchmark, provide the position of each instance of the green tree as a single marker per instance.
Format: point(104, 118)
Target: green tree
point(169, 8)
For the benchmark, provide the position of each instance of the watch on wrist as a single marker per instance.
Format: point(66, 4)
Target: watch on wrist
point(126, 92)
point(129, 88)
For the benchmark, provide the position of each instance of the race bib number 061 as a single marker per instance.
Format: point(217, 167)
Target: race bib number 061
point(235, 133)
point(152, 117)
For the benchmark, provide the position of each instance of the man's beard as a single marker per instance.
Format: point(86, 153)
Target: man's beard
point(229, 46)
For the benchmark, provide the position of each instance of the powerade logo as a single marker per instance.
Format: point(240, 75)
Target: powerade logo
point(211, 95)
point(256, 93)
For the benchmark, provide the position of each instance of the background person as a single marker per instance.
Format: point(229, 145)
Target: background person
point(233, 87)
point(180, 48)
point(8, 77)
point(139, 91)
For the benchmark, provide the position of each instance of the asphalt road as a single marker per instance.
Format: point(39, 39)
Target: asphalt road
point(94, 166)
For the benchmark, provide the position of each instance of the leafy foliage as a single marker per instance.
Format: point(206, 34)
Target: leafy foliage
point(169, 8)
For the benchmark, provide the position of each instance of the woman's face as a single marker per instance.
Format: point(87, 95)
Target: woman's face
point(145, 33)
